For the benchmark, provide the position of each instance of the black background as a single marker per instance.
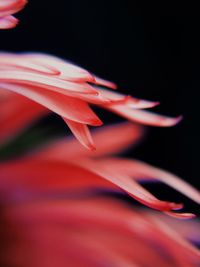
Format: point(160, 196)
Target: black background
point(149, 51)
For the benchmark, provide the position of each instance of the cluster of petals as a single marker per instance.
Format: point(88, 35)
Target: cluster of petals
point(65, 166)
point(52, 215)
point(7, 8)
point(51, 232)
point(50, 83)
point(52, 212)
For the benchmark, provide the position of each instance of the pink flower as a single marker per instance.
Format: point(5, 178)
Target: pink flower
point(7, 8)
point(65, 166)
point(68, 90)
point(51, 216)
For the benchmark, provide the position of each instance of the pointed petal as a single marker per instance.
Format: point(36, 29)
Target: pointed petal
point(144, 117)
point(105, 83)
point(50, 82)
point(18, 62)
point(7, 8)
point(102, 168)
point(82, 133)
point(149, 173)
point(67, 71)
point(129, 101)
point(108, 140)
point(67, 107)
point(181, 215)
point(8, 22)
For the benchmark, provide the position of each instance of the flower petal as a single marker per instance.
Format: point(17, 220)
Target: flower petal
point(7, 8)
point(19, 62)
point(116, 138)
point(101, 168)
point(82, 133)
point(144, 117)
point(129, 101)
point(143, 171)
point(50, 82)
point(67, 107)
point(17, 112)
point(67, 71)
point(8, 22)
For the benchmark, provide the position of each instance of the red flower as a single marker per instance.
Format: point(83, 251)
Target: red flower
point(7, 8)
point(68, 91)
point(50, 215)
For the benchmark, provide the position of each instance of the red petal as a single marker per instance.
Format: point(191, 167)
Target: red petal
point(67, 107)
point(82, 133)
point(8, 22)
point(144, 117)
point(108, 140)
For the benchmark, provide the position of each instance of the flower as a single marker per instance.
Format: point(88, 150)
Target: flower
point(68, 90)
point(52, 213)
point(65, 166)
point(7, 8)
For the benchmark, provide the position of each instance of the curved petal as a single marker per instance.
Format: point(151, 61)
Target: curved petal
point(67, 107)
point(82, 133)
point(101, 168)
point(141, 171)
point(116, 138)
point(143, 117)
point(7, 8)
point(51, 82)
point(129, 101)
point(8, 22)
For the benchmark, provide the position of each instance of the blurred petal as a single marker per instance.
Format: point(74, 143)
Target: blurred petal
point(8, 22)
point(91, 232)
point(7, 8)
point(17, 113)
point(116, 138)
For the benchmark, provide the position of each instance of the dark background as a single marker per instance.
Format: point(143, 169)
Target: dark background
point(149, 52)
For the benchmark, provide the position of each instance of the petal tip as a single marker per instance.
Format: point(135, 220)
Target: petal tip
point(179, 119)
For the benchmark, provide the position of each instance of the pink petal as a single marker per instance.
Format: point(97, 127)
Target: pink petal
point(50, 82)
point(82, 133)
point(8, 22)
point(7, 8)
point(17, 112)
point(67, 71)
point(124, 182)
point(123, 235)
point(18, 62)
point(105, 83)
point(116, 138)
point(143, 171)
point(131, 102)
point(181, 215)
point(67, 107)
point(144, 117)
point(36, 174)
